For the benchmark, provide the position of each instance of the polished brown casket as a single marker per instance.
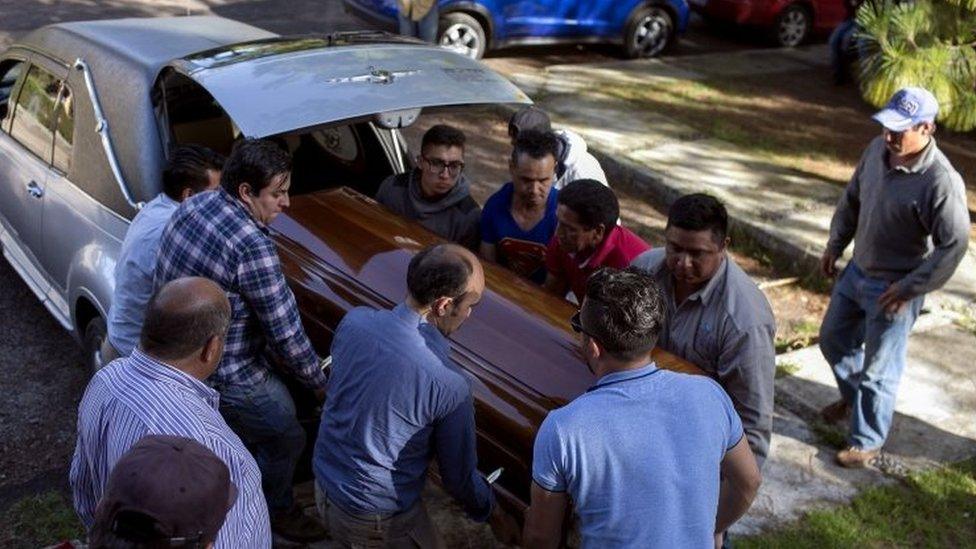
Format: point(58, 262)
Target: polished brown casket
point(340, 249)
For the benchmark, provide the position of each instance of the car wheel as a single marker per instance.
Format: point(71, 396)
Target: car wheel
point(792, 26)
point(95, 334)
point(463, 34)
point(649, 32)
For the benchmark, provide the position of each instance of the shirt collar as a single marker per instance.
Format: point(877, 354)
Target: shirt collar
point(597, 257)
point(430, 332)
point(240, 211)
point(923, 161)
point(705, 293)
point(160, 371)
point(626, 375)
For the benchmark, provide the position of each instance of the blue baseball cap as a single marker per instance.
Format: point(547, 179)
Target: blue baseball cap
point(907, 108)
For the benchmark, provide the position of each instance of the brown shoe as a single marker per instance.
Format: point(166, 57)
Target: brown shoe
point(294, 525)
point(838, 413)
point(855, 458)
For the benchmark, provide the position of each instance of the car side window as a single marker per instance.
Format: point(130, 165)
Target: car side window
point(9, 73)
point(33, 121)
point(65, 130)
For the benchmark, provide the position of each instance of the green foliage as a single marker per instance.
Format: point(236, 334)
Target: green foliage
point(38, 521)
point(928, 43)
point(934, 508)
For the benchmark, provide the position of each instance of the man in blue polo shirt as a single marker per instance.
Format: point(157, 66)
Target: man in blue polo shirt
point(649, 457)
point(519, 220)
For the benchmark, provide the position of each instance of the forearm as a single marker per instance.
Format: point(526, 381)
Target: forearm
point(733, 502)
point(934, 272)
point(457, 459)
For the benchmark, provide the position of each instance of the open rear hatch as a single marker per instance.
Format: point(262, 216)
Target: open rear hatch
point(275, 86)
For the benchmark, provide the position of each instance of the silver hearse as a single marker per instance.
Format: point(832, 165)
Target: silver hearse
point(88, 111)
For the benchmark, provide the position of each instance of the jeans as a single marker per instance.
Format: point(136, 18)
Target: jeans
point(264, 417)
point(407, 530)
point(866, 348)
point(425, 29)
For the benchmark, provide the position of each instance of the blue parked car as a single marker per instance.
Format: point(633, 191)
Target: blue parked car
point(644, 28)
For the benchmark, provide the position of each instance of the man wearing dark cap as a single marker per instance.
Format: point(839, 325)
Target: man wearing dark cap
point(905, 209)
point(166, 491)
point(159, 389)
point(395, 402)
point(573, 161)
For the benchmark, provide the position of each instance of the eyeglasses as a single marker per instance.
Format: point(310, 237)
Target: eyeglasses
point(436, 165)
point(577, 325)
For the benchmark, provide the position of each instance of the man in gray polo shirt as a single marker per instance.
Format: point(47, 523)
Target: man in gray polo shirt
point(718, 319)
point(905, 209)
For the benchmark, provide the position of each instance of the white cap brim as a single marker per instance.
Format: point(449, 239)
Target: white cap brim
point(893, 120)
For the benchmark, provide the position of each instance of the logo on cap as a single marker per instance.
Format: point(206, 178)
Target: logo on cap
point(908, 105)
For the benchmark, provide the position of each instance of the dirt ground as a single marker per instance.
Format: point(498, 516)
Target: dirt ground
point(797, 310)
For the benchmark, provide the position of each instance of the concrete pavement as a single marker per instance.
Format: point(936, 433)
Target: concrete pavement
point(787, 213)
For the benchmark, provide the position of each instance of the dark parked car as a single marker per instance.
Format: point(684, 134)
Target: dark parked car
point(79, 153)
point(644, 28)
point(789, 22)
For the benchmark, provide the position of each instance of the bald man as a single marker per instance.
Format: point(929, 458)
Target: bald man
point(159, 390)
point(394, 402)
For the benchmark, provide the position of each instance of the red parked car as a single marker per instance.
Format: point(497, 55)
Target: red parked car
point(790, 22)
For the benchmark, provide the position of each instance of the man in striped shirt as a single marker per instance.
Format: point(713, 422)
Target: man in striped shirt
point(223, 236)
point(159, 389)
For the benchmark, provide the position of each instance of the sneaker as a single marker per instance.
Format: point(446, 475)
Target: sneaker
point(856, 458)
point(294, 525)
point(838, 413)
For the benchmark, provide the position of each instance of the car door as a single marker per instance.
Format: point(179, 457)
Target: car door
point(541, 18)
point(26, 147)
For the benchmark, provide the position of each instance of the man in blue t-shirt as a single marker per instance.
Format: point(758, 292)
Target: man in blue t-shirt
point(519, 220)
point(649, 457)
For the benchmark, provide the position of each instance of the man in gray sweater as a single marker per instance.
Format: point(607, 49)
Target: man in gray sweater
point(905, 209)
point(436, 193)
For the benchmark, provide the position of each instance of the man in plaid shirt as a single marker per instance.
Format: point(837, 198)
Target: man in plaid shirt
point(222, 235)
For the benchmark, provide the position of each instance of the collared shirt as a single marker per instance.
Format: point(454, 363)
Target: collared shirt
point(519, 250)
point(213, 236)
point(396, 400)
point(910, 224)
point(726, 329)
point(134, 273)
point(137, 396)
point(617, 250)
point(640, 454)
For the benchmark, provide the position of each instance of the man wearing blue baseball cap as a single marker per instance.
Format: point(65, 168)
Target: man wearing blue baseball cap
point(905, 209)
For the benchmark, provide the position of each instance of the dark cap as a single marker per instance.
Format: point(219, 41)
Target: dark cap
point(166, 489)
point(529, 118)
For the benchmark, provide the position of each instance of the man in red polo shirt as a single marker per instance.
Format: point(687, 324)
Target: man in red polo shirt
point(587, 237)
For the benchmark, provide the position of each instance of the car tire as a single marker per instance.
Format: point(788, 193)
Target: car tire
point(95, 334)
point(792, 26)
point(463, 34)
point(649, 32)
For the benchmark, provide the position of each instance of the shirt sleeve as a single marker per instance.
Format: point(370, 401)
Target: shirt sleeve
point(732, 420)
point(489, 232)
point(547, 458)
point(263, 286)
point(844, 223)
point(247, 523)
point(457, 459)
point(948, 223)
point(746, 370)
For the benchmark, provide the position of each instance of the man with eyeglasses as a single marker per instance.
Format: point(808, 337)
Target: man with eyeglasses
point(718, 319)
point(905, 209)
point(436, 193)
point(648, 457)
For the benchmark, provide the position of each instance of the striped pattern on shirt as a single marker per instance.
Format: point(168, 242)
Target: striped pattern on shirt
point(138, 396)
point(213, 236)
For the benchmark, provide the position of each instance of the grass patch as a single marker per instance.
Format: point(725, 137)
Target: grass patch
point(38, 521)
point(799, 335)
point(786, 368)
point(828, 434)
point(935, 508)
